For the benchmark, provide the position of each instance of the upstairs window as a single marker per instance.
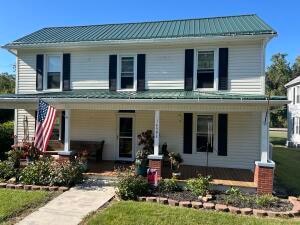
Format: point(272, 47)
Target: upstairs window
point(294, 96)
point(205, 69)
point(54, 68)
point(205, 133)
point(127, 73)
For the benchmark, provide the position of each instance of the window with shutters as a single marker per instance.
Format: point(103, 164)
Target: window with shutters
point(53, 72)
point(206, 69)
point(205, 133)
point(127, 73)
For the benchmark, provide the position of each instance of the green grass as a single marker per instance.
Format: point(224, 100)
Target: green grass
point(287, 171)
point(138, 213)
point(14, 202)
point(278, 137)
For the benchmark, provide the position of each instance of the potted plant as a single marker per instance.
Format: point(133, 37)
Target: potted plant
point(175, 160)
point(145, 139)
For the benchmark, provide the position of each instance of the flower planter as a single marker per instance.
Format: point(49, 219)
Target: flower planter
point(141, 170)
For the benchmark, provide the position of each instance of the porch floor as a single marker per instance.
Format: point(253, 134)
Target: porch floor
point(221, 176)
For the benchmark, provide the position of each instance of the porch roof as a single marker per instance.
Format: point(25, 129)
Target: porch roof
point(142, 95)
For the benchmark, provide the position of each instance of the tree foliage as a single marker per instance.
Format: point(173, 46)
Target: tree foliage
point(7, 83)
point(278, 74)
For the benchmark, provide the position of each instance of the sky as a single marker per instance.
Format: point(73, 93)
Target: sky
point(18, 18)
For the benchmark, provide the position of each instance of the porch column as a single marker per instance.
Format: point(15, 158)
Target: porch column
point(264, 169)
point(66, 154)
point(67, 131)
point(155, 160)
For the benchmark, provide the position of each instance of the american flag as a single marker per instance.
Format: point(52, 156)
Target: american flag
point(44, 125)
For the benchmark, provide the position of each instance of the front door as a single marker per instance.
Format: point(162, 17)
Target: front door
point(125, 137)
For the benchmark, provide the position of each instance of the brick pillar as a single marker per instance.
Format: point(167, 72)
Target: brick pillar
point(263, 178)
point(157, 165)
point(65, 156)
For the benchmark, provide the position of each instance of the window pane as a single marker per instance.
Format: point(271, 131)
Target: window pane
point(127, 64)
point(205, 133)
point(205, 71)
point(205, 60)
point(54, 64)
point(53, 80)
point(125, 127)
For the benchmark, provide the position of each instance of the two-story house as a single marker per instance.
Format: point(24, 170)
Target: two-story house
point(293, 112)
point(199, 84)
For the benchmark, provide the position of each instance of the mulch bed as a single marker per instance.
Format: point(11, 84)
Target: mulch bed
point(281, 205)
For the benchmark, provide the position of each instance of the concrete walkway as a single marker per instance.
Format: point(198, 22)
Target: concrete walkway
point(72, 206)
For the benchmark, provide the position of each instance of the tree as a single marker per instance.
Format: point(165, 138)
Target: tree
point(7, 83)
point(278, 74)
point(296, 68)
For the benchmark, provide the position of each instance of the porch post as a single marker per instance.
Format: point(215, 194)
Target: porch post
point(66, 154)
point(67, 131)
point(155, 160)
point(156, 133)
point(264, 169)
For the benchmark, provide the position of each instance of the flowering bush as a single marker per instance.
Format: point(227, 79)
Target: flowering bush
point(48, 172)
point(130, 186)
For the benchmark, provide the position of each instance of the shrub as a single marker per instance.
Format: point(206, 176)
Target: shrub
point(47, 172)
point(233, 191)
point(168, 185)
point(38, 173)
point(6, 137)
point(199, 186)
point(67, 173)
point(7, 170)
point(129, 186)
point(266, 200)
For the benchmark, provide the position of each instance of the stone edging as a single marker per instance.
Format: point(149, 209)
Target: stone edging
point(33, 187)
point(295, 212)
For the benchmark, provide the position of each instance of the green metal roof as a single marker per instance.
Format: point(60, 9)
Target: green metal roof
point(215, 26)
point(149, 94)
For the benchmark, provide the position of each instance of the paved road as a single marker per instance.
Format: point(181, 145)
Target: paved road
point(72, 206)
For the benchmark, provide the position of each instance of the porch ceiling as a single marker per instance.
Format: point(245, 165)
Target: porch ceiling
point(137, 100)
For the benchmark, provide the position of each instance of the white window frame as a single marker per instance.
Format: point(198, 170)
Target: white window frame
point(296, 126)
point(215, 132)
point(297, 94)
point(216, 68)
point(45, 77)
point(134, 72)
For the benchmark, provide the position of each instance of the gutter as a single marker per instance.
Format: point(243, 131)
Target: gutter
point(130, 100)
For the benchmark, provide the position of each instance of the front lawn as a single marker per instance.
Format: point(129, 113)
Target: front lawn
point(143, 213)
point(14, 202)
point(287, 171)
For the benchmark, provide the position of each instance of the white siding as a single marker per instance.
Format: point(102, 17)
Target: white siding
point(89, 70)
point(26, 70)
point(21, 116)
point(164, 67)
point(244, 69)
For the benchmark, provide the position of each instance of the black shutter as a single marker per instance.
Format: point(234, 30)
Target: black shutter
point(223, 68)
point(188, 133)
point(62, 127)
point(141, 64)
point(39, 72)
point(35, 118)
point(189, 69)
point(222, 134)
point(66, 72)
point(113, 72)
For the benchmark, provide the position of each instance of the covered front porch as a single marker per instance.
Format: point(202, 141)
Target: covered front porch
point(243, 178)
point(235, 126)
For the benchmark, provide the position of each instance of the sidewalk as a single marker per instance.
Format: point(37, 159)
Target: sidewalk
point(72, 206)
